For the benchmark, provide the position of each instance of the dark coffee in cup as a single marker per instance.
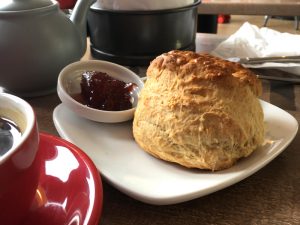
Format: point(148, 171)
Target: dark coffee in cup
point(10, 134)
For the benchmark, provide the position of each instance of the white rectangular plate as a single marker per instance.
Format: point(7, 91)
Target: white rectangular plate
point(131, 170)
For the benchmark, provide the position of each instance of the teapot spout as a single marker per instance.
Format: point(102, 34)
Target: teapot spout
point(78, 17)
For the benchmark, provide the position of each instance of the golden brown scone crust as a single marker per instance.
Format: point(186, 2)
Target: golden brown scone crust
point(199, 111)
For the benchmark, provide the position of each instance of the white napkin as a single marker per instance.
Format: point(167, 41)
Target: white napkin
point(252, 41)
point(142, 4)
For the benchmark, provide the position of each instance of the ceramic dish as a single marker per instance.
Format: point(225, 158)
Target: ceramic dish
point(70, 188)
point(151, 180)
point(68, 85)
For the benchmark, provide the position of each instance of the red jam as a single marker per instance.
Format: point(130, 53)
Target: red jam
point(101, 91)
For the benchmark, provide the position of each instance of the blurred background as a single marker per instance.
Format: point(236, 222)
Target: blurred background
point(281, 25)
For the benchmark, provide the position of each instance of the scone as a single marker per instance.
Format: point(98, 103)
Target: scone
point(199, 111)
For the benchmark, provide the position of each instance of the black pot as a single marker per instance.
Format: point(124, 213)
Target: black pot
point(135, 38)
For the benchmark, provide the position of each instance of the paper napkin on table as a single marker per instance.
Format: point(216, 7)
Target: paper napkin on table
point(142, 4)
point(252, 41)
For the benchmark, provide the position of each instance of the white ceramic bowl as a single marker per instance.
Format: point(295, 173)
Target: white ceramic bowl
point(69, 84)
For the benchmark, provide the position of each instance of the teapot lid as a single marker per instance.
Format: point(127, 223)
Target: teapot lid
point(18, 5)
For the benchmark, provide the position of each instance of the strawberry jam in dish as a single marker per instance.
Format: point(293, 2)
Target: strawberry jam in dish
point(101, 91)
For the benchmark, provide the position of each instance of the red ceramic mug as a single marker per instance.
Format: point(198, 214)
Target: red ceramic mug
point(66, 4)
point(19, 163)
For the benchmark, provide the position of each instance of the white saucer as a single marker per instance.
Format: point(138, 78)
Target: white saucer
point(151, 180)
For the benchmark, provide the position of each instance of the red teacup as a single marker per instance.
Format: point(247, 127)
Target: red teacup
point(66, 4)
point(19, 166)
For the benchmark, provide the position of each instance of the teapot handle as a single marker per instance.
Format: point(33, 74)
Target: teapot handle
point(78, 17)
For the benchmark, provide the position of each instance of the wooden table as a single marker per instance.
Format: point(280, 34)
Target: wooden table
point(270, 196)
point(209, 10)
point(250, 7)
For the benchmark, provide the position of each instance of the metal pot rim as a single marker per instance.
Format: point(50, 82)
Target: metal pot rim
point(146, 12)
